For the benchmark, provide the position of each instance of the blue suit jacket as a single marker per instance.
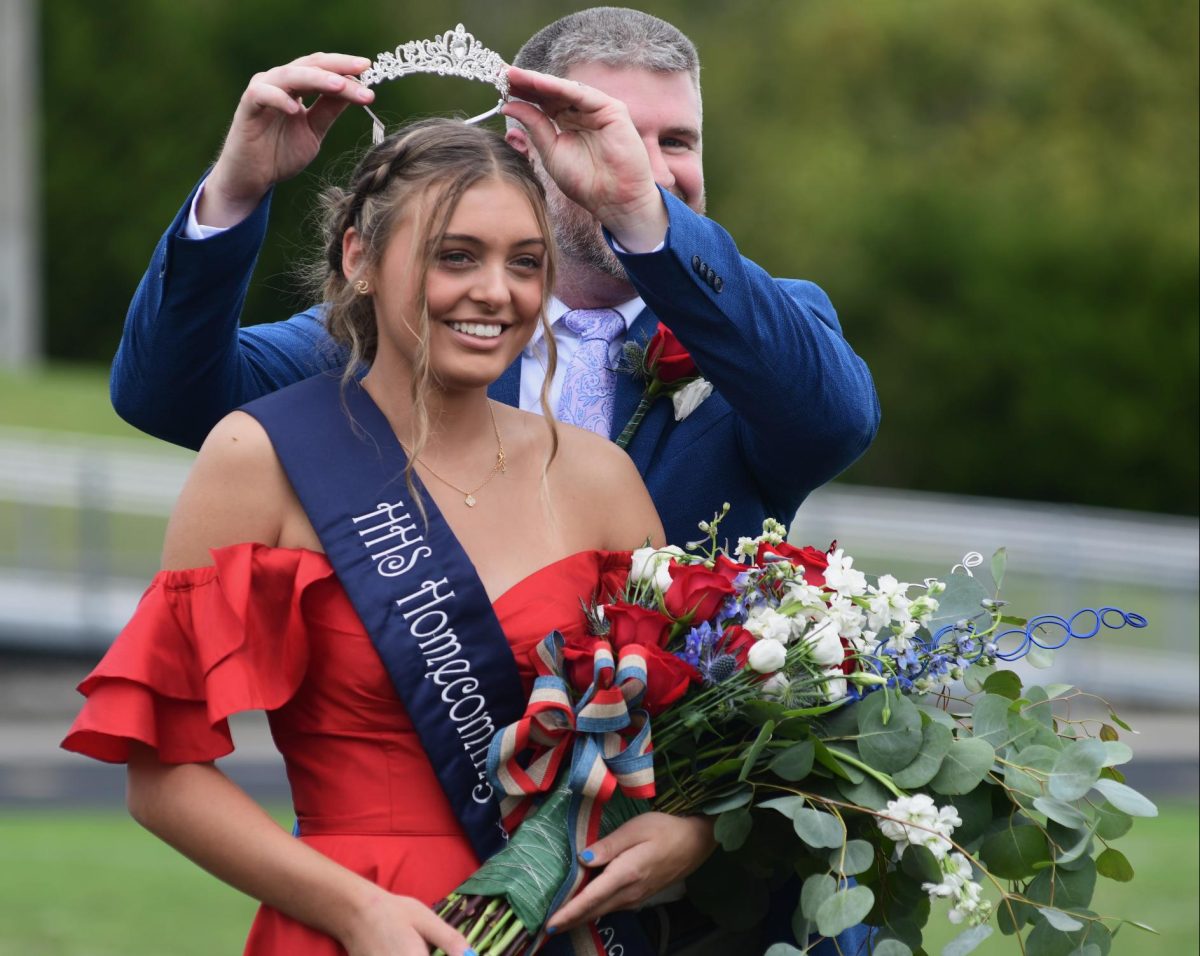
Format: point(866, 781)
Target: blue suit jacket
point(792, 404)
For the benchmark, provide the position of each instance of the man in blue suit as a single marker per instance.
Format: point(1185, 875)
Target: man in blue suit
point(615, 130)
point(619, 143)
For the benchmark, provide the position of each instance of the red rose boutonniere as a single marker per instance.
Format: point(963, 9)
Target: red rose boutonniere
point(667, 369)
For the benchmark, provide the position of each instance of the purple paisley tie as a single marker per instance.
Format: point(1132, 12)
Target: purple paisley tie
point(590, 380)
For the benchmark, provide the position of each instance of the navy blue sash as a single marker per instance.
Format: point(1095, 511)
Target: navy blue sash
point(411, 583)
point(417, 594)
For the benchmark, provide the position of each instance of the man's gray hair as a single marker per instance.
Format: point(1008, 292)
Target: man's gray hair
point(614, 36)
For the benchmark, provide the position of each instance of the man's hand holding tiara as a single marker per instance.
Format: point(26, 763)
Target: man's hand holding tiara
point(274, 136)
point(590, 147)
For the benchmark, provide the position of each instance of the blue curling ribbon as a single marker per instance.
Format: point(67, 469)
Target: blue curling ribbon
point(1112, 618)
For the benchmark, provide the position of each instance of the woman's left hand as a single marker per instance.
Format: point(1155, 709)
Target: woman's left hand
point(637, 860)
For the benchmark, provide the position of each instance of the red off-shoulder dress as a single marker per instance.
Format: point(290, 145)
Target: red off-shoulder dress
point(272, 629)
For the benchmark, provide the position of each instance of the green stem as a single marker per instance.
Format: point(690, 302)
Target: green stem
point(635, 420)
point(870, 771)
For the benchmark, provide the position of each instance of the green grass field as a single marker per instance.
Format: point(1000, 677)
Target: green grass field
point(58, 397)
point(95, 884)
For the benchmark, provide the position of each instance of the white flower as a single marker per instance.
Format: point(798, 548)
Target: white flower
point(969, 904)
point(917, 820)
point(776, 686)
point(842, 577)
point(773, 531)
point(653, 564)
point(688, 398)
point(767, 656)
point(747, 547)
point(901, 641)
point(847, 617)
point(766, 623)
point(835, 684)
point(824, 645)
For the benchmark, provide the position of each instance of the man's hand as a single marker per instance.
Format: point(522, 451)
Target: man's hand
point(274, 135)
point(637, 860)
point(589, 146)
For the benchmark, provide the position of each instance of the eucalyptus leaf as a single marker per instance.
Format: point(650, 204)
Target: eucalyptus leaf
point(816, 890)
point(1036, 706)
point(1077, 849)
point(938, 715)
point(919, 863)
point(733, 827)
point(853, 858)
point(1117, 753)
point(738, 798)
point(989, 720)
point(1114, 865)
point(1040, 658)
point(890, 947)
point(1060, 920)
point(1045, 940)
point(1126, 799)
point(785, 805)
point(1022, 732)
point(1069, 889)
point(1113, 824)
point(999, 563)
point(960, 601)
point(966, 941)
point(889, 731)
point(976, 675)
point(795, 763)
point(868, 793)
point(844, 909)
point(1012, 915)
point(1057, 690)
point(1004, 683)
point(783, 949)
point(965, 765)
point(826, 756)
point(936, 740)
point(1011, 853)
point(1077, 768)
point(818, 829)
point(1061, 812)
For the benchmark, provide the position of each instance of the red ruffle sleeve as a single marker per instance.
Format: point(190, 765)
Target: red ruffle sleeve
point(204, 643)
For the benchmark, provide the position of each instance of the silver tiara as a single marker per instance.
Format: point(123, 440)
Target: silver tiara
point(455, 53)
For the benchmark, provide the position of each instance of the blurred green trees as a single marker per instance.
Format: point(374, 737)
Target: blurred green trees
point(1001, 199)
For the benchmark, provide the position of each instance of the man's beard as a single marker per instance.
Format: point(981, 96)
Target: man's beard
point(579, 238)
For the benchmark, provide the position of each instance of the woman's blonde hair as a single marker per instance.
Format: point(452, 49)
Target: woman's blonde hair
point(420, 171)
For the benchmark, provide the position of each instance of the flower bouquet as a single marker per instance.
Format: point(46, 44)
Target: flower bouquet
point(857, 735)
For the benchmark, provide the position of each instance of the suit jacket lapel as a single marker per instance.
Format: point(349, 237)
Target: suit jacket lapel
point(507, 388)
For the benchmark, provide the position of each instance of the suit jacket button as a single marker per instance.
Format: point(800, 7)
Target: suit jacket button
point(717, 283)
point(697, 265)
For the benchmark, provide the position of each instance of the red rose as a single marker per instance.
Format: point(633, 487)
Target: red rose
point(813, 561)
point(578, 653)
point(666, 357)
point(630, 624)
point(667, 679)
point(728, 569)
point(696, 592)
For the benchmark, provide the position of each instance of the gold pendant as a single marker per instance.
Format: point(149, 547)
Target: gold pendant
point(469, 501)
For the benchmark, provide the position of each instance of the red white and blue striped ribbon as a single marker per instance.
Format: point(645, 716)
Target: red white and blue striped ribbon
point(606, 734)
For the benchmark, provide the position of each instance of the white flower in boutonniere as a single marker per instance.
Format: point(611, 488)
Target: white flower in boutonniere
point(688, 398)
point(667, 369)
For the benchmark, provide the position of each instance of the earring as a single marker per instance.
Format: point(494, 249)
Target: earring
point(362, 287)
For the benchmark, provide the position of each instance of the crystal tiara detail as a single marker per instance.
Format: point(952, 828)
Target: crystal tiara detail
point(455, 53)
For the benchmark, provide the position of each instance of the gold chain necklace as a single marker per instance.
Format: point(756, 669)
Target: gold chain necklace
point(469, 498)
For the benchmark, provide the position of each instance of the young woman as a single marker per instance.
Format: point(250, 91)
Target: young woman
point(438, 262)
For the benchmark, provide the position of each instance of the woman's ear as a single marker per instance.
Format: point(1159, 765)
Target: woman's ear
point(352, 254)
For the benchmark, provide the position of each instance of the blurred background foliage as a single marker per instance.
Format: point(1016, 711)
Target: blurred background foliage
point(1000, 198)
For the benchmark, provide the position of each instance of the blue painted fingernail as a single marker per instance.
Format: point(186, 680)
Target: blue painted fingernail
point(587, 856)
point(470, 952)
point(551, 930)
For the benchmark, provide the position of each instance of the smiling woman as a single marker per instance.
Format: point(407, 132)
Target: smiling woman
point(385, 630)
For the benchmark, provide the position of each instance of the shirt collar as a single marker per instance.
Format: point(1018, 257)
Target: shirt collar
point(557, 309)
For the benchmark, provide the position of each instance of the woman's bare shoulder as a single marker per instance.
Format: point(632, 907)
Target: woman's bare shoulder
point(236, 491)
